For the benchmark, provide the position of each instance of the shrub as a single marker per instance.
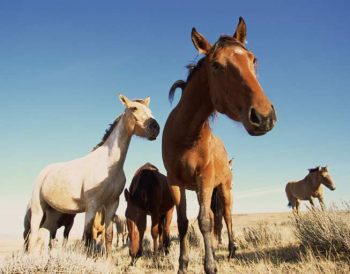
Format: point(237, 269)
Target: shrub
point(261, 234)
point(323, 231)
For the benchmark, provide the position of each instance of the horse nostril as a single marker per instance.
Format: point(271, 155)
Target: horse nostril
point(254, 117)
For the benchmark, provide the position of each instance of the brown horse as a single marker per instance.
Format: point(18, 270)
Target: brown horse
point(309, 187)
point(224, 81)
point(65, 220)
point(217, 206)
point(149, 195)
point(121, 227)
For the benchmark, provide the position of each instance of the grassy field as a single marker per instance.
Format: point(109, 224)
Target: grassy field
point(314, 242)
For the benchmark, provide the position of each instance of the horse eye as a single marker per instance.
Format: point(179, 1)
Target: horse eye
point(217, 67)
point(133, 109)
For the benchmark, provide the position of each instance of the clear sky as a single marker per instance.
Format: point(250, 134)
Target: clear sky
point(62, 63)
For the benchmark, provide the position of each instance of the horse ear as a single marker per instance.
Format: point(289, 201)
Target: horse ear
point(241, 31)
point(126, 194)
point(125, 101)
point(200, 42)
point(146, 101)
point(230, 162)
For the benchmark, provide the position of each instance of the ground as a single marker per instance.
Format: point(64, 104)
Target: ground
point(267, 243)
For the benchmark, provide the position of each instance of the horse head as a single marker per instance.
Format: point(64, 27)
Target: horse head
point(233, 85)
point(139, 118)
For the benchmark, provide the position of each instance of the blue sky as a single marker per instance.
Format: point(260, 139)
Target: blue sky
point(62, 63)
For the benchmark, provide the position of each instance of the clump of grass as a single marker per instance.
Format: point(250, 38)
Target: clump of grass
point(260, 235)
point(323, 231)
point(72, 259)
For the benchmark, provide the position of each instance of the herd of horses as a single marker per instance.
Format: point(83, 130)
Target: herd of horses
point(223, 81)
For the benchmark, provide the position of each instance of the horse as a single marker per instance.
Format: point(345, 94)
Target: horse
point(223, 81)
point(65, 220)
point(121, 227)
point(148, 194)
point(217, 207)
point(87, 183)
point(309, 187)
point(98, 231)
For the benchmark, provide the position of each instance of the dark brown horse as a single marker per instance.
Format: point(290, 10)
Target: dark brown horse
point(65, 220)
point(148, 194)
point(224, 81)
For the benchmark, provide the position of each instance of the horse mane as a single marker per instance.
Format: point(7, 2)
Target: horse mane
point(108, 132)
point(192, 69)
point(314, 169)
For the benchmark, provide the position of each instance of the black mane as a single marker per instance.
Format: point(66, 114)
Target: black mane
point(108, 132)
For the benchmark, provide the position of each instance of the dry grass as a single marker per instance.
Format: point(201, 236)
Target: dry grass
point(264, 247)
point(324, 232)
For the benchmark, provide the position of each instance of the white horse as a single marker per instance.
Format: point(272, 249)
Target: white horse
point(87, 183)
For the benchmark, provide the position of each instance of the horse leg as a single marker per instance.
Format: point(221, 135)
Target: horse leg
point(37, 215)
point(87, 237)
point(67, 229)
point(53, 233)
point(179, 197)
point(321, 201)
point(166, 230)
point(161, 232)
point(154, 231)
point(214, 242)
point(49, 228)
point(26, 231)
point(297, 204)
point(312, 203)
point(227, 204)
point(205, 223)
point(142, 228)
point(110, 211)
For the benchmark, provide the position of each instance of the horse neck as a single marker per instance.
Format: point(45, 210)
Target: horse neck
point(195, 107)
point(315, 182)
point(118, 143)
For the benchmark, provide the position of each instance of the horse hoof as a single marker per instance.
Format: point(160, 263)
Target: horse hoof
point(211, 269)
point(232, 250)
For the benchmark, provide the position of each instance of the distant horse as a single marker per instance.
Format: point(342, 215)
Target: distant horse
point(121, 227)
point(87, 183)
point(98, 231)
point(217, 206)
point(310, 186)
point(224, 81)
point(65, 220)
point(148, 195)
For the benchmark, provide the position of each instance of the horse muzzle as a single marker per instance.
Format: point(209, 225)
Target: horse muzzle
point(152, 129)
point(259, 124)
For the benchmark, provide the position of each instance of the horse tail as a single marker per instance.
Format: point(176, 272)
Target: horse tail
point(178, 84)
point(289, 204)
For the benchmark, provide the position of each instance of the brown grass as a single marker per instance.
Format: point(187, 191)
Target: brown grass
point(324, 232)
point(272, 246)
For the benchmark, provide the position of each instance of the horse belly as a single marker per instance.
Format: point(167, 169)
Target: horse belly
point(63, 195)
